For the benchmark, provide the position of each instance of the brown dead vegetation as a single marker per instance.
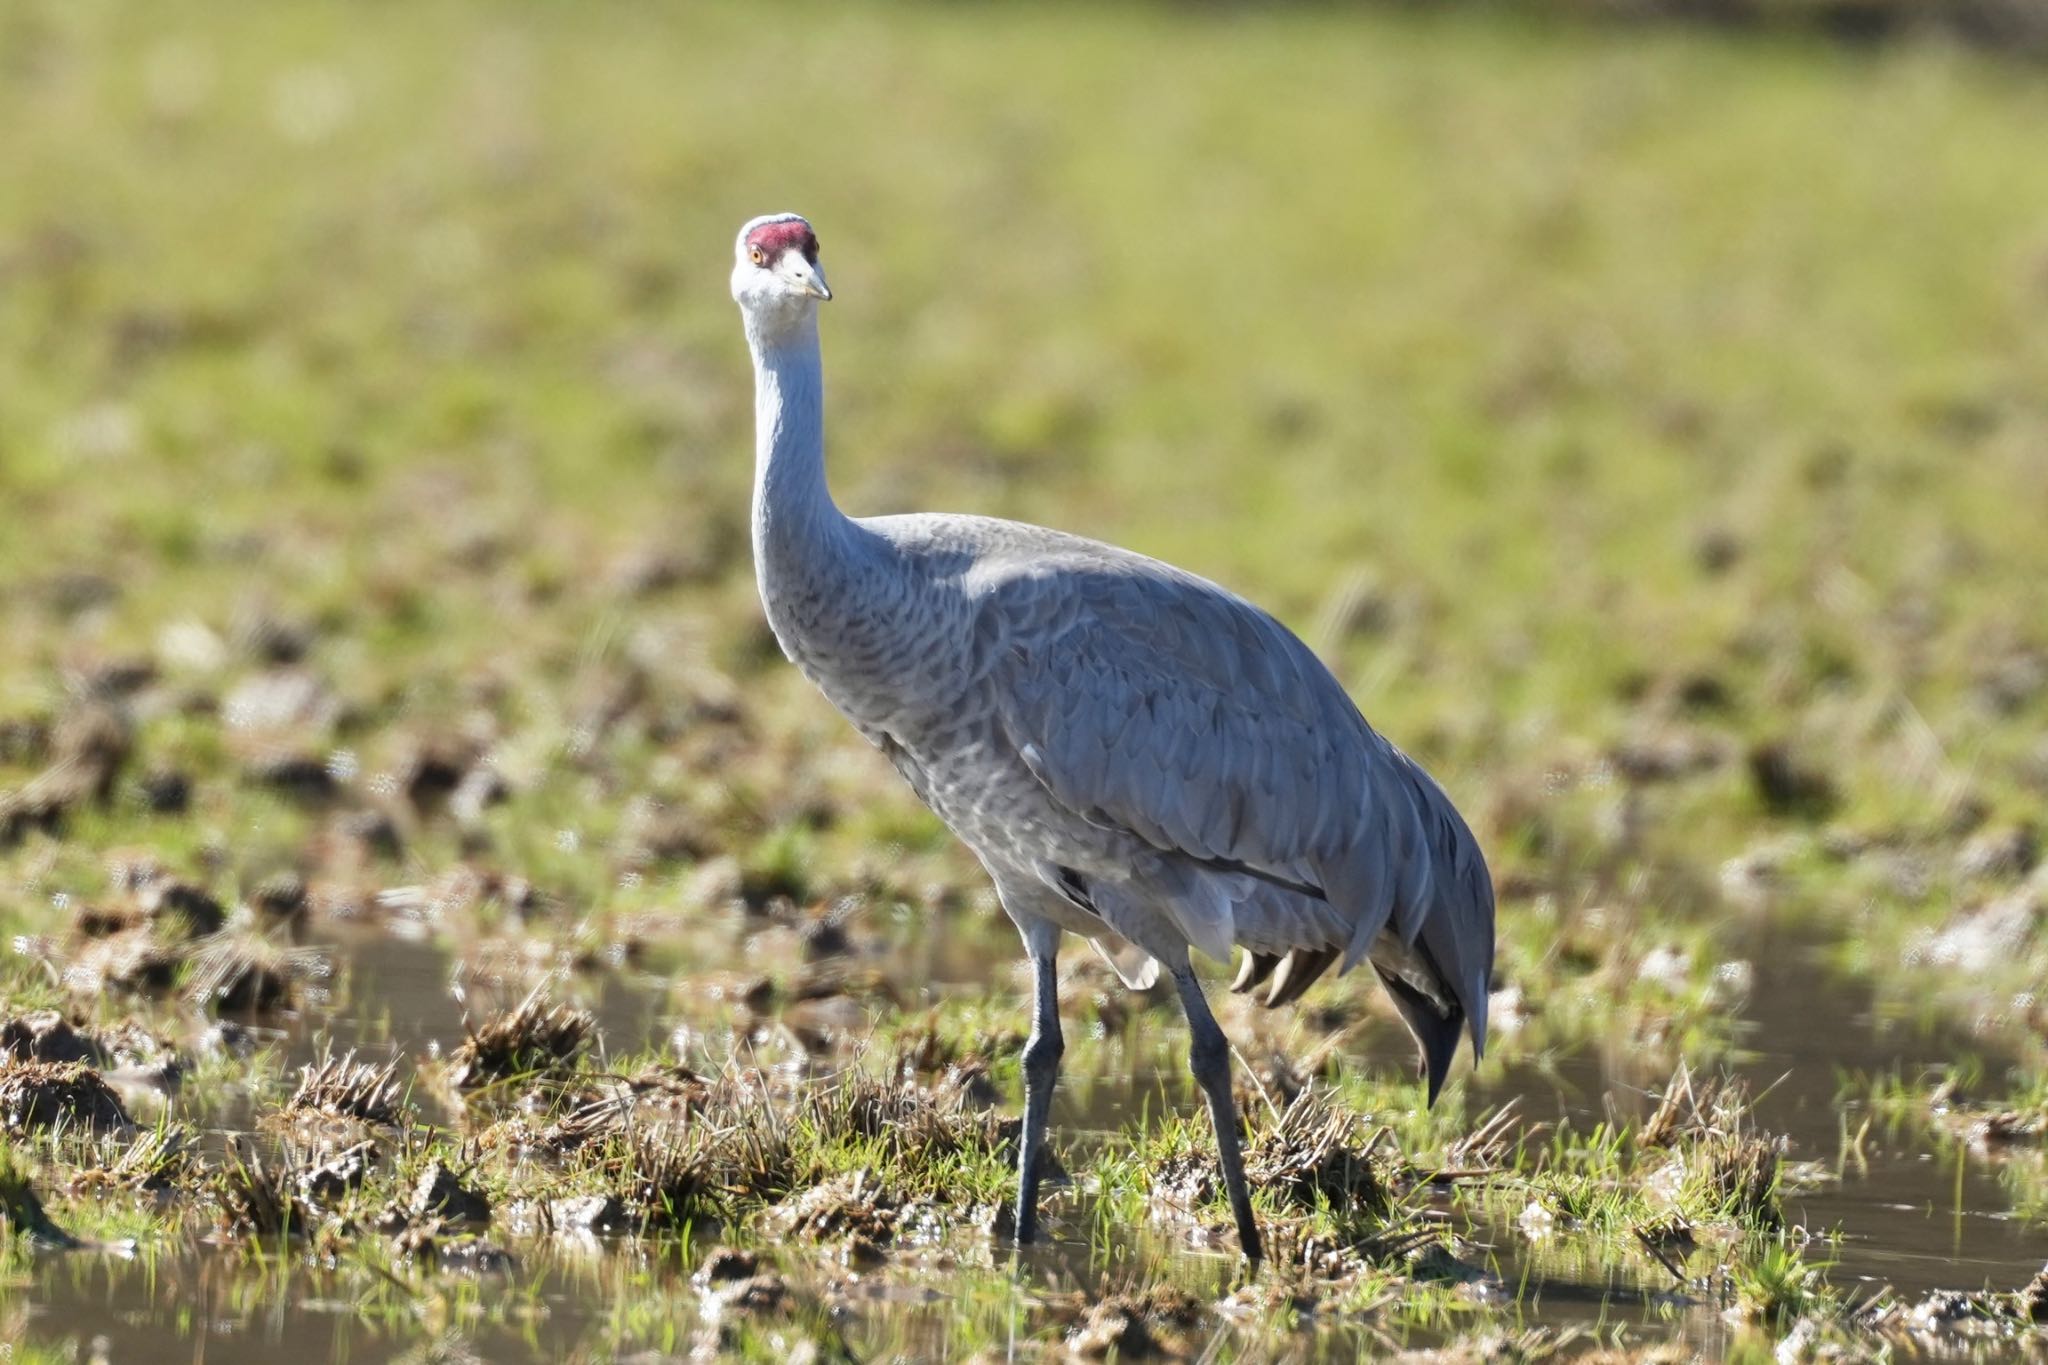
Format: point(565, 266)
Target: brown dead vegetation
point(1711, 1131)
point(1321, 1156)
point(532, 1037)
point(914, 1124)
point(252, 1199)
point(1315, 1156)
point(345, 1089)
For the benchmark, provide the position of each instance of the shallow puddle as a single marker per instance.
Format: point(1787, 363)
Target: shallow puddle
point(1905, 1212)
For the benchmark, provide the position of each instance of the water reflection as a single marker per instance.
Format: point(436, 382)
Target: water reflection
point(1909, 1216)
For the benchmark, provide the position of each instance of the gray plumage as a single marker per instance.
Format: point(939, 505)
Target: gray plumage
point(1135, 754)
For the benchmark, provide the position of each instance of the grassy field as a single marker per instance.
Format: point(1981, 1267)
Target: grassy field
point(1650, 426)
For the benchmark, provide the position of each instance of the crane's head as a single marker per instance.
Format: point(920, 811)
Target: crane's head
point(775, 267)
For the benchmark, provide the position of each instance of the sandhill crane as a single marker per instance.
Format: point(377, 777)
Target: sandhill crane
point(1134, 754)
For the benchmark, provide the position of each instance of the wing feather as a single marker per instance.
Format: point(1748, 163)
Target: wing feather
point(1152, 701)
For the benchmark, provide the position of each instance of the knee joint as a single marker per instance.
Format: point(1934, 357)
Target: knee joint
point(1042, 1054)
point(1208, 1053)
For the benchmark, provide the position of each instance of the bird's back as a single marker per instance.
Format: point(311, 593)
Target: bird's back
point(1149, 701)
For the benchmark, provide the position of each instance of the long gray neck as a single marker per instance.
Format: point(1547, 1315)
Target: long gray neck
point(791, 501)
point(806, 552)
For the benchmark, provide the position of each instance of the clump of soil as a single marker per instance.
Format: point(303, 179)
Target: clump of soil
point(1319, 1156)
point(255, 1200)
point(760, 1294)
point(433, 767)
point(825, 981)
point(35, 1096)
point(140, 938)
point(442, 1194)
point(2007, 1128)
point(846, 1207)
point(269, 638)
point(1978, 937)
point(955, 1064)
point(140, 1055)
point(733, 1279)
point(1788, 784)
point(89, 747)
point(726, 1266)
point(93, 920)
point(343, 1088)
point(670, 1088)
point(458, 893)
point(532, 1038)
point(2000, 852)
point(599, 1119)
point(588, 1213)
point(1979, 1313)
point(1672, 1235)
point(674, 835)
point(2033, 1299)
point(165, 791)
point(301, 774)
point(342, 1171)
point(611, 1106)
point(180, 909)
point(47, 1036)
point(1717, 1151)
point(663, 1175)
point(918, 1126)
point(135, 962)
point(249, 973)
point(1159, 1322)
point(279, 898)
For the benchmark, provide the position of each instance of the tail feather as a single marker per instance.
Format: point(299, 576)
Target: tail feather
point(1255, 967)
point(1298, 971)
point(1436, 1032)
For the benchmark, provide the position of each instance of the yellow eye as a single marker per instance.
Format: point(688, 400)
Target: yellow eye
point(758, 256)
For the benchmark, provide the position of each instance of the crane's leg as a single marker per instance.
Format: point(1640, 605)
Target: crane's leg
point(1041, 1072)
point(1209, 1060)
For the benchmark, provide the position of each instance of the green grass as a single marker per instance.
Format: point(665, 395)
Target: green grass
point(1619, 410)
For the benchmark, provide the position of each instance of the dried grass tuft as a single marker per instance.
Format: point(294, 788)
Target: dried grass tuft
point(160, 1159)
point(344, 1088)
point(533, 1037)
point(255, 1200)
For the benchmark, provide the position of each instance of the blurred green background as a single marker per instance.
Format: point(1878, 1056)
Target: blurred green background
point(1527, 363)
point(1648, 421)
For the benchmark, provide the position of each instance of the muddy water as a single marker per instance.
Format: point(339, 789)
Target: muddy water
point(1906, 1214)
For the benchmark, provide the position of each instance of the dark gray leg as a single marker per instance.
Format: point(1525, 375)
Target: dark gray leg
point(1209, 1060)
point(1041, 1073)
